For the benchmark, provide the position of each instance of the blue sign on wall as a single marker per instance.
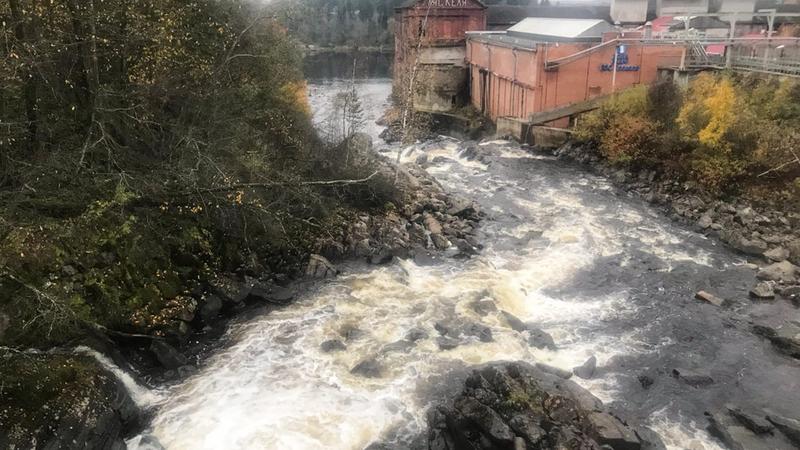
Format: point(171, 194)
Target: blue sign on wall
point(622, 62)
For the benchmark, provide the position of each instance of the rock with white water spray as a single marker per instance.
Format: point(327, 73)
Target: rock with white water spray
point(368, 368)
point(540, 339)
point(270, 293)
point(513, 321)
point(738, 436)
point(332, 345)
point(762, 290)
point(210, 307)
point(319, 267)
point(586, 370)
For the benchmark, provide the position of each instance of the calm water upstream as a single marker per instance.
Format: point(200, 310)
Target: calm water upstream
point(602, 272)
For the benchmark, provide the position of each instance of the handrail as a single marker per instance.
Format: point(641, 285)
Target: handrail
point(669, 42)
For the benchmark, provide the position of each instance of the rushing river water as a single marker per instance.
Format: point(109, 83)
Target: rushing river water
point(600, 271)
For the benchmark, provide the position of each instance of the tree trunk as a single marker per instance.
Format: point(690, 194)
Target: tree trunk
point(29, 81)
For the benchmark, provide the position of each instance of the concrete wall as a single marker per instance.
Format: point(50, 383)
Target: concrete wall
point(629, 11)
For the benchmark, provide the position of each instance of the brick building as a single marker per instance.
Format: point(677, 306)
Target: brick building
point(542, 64)
point(438, 29)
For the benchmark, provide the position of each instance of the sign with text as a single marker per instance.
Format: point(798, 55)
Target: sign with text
point(621, 59)
point(448, 3)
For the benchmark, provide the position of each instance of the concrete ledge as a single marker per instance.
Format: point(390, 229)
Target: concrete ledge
point(524, 132)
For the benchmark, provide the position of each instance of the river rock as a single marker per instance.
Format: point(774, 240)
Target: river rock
point(416, 334)
point(785, 338)
point(401, 346)
point(368, 368)
point(784, 272)
point(762, 290)
point(432, 225)
point(734, 435)
point(710, 298)
point(211, 306)
point(586, 370)
point(557, 371)
point(794, 250)
point(540, 339)
point(753, 247)
point(440, 242)
point(332, 345)
point(167, 355)
point(518, 406)
point(513, 322)
point(777, 254)
point(789, 427)
point(755, 422)
point(693, 378)
point(483, 307)
point(447, 343)
point(319, 267)
point(62, 401)
point(270, 293)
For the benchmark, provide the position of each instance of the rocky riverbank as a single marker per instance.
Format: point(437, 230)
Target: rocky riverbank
point(768, 238)
point(429, 224)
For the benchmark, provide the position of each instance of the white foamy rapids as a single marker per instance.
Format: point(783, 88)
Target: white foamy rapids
point(142, 396)
point(274, 388)
point(677, 435)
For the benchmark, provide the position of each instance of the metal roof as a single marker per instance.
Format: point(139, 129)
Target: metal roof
point(550, 29)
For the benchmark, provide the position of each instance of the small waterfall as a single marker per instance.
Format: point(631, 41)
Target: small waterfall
point(141, 395)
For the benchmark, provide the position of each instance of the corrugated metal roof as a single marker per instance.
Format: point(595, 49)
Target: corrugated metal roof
point(546, 28)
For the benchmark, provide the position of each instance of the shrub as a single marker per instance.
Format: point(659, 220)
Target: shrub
point(629, 140)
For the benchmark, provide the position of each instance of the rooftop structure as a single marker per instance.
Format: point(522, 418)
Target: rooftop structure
point(560, 30)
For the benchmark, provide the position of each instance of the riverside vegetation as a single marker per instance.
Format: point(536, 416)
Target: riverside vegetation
point(157, 161)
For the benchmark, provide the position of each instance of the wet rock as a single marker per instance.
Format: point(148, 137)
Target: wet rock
point(483, 307)
point(482, 332)
point(608, 430)
point(401, 346)
point(440, 242)
point(416, 334)
point(733, 435)
point(789, 427)
point(692, 378)
point(432, 225)
point(762, 290)
point(710, 298)
point(332, 345)
point(757, 423)
point(270, 293)
point(777, 254)
point(350, 332)
point(783, 271)
point(561, 373)
point(794, 250)
point(383, 256)
point(212, 305)
point(422, 159)
point(792, 292)
point(586, 370)
point(645, 380)
point(319, 267)
point(785, 338)
point(540, 339)
point(705, 221)
point(447, 343)
point(513, 322)
point(368, 368)
point(167, 355)
point(5, 322)
point(518, 406)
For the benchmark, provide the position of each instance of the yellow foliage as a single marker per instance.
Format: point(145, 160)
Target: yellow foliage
point(296, 92)
point(709, 111)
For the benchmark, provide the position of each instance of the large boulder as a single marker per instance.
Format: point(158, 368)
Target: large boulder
point(62, 401)
point(784, 272)
point(785, 338)
point(517, 406)
point(319, 267)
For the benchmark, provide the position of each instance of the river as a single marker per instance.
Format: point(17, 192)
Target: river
point(604, 273)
